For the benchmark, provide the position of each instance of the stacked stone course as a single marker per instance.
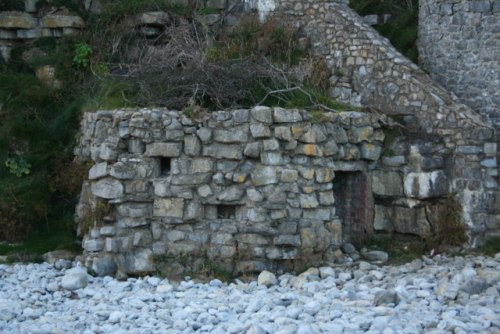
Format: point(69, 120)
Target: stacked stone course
point(253, 185)
point(458, 45)
point(365, 69)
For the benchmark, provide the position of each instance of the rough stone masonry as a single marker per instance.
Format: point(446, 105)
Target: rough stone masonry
point(248, 189)
point(261, 188)
point(251, 188)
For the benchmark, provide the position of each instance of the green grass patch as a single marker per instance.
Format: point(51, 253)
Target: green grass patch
point(401, 248)
point(60, 236)
point(490, 247)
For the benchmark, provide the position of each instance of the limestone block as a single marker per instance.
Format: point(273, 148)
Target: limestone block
point(359, 134)
point(308, 238)
point(142, 261)
point(371, 19)
point(204, 191)
point(326, 198)
point(205, 134)
point(308, 201)
point(309, 150)
point(296, 131)
point(257, 215)
point(169, 150)
point(387, 183)
point(410, 221)
point(260, 130)
point(62, 21)
point(194, 179)
point(306, 172)
point(490, 149)
point(132, 221)
point(291, 145)
point(394, 161)
point(426, 185)
point(264, 175)
point(271, 145)
point(254, 195)
point(222, 238)
point(122, 171)
point(239, 177)
point(227, 252)
point(37, 33)
point(262, 114)
point(489, 163)
point(252, 238)
point(17, 20)
point(278, 214)
point(134, 145)
point(108, 188)
point(194, 211)
point(135, 210)
point(162, 187)
point(93, 245)
point(233, 135)
point(370, 151)
point(168, 207)
point(330, 148)
point(201, 165)
point(283, 133)
point(240, 115)
point(173, 135)
point(287, 240)
point(104, 265)
point(221, 151)
point(286, 115)
point(271, 158)
point(98, 170)
point(324, 175)
point(232, 193)
point(337, 133)
point(382, 220)
point(317, 214)
point(110, 245)
point(107, 151)
point(192, 146)
point(108, 230)
point(289, 175)
point(7, 34)
point(314, 135)
point(153, 18)
point(253, 150)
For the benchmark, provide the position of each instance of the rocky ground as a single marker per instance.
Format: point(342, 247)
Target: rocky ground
point(438, 295)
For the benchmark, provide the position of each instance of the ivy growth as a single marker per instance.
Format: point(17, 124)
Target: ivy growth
point(82, 54)
point(18, 166)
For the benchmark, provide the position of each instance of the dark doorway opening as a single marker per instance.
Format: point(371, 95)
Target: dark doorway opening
point(354, 204)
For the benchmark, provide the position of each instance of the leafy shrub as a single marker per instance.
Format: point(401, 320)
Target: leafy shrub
point(402, 27)
point(450, 229)
point(82, 54)
point(12, 5)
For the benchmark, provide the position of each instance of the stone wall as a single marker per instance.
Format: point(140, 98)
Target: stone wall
point(365, 69)
point(19, 27)
point(253, 189)
point(459, 46)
